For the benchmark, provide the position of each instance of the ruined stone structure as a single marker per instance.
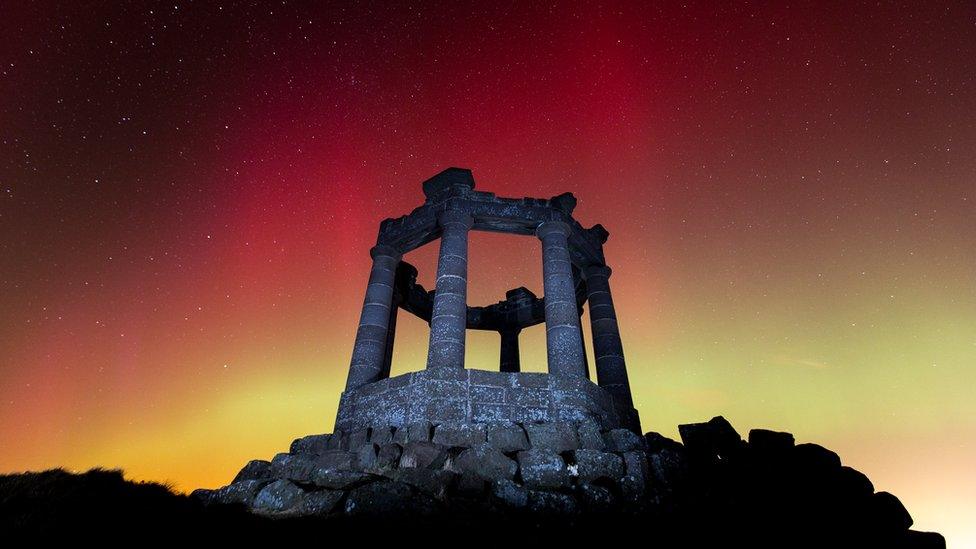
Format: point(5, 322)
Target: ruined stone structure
point(574, 273)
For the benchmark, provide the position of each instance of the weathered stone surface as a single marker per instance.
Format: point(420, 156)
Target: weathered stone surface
point(594, 464)
point(419, 431)
point(715, 439)
point(296, 467)
point(596, 498)
point(311, 444)
point(366, 457)
point(853, 482)
point(559, 437)
point(338, 441)
point(668, 467)
point(335, 459)
point(551, 503)
point(510, 494)
point(239, 492)
point(388, 456)
point(400, 435)
point(590, 437)
point(507, 437)
point(254, 470)
point(465, 435)
point(632, 490)
point(280, 495)
point(388, 498)
point(622, 440)
point(381, 435)
point(764, 440)
point(655, 442)
point(339, 480)
point(486, 462)
point(636, 465)
point(320, 502)
point(436, 483)
point(543, 468)
point(423, 455)
point(358, 438)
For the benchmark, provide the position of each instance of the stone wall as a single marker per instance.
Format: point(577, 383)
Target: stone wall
point(447, 395)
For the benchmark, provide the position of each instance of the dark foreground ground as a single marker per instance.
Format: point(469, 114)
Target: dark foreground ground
point(750, 498)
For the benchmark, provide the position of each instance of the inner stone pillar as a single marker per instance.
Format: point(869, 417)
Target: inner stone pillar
point(509, 357)
point(369, 351)
point(611, 370)
point(564, 346)
point(449, 315)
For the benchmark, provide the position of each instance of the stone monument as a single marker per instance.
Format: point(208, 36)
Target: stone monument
point(575, 273)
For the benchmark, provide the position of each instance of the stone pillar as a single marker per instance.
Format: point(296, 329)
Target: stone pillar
point(390, 335)
point(369, 352)
point(449, 316)
point(611, 371)
point(508, 360)
point(586, 361)
point(564, 346)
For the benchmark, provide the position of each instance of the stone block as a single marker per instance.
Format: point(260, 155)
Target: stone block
point(338, 441)
point(596, 498)
point(255, 469)
point(543, 468)
point(311, 444)
point(771, 442)
point(465, 435)
point(280, 495)
point(590, 437)
point(485, 378)
point(491, 413)
point(320, 502)
point(436, 483)
point(559, 437)
point(622, 440)
point(550, 503)
point(358, 438)
point(715, 439)
point(239, 492)
point(485, 461)
point(388, 498)
point(366, 457)
point(594, 464)
point(419, 431)
point(423, 455)
point(335, 479)
point(529, 415)
point(507, 437)
point(295, 467)
point(528, 397)
point(335, 459)
point(636, 465)
point(381, 435)
point(510, 494)
point(489, 395)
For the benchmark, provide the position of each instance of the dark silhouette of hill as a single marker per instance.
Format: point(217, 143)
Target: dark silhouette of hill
point(760, 493)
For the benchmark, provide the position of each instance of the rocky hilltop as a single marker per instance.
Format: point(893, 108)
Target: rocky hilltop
point(576, 480)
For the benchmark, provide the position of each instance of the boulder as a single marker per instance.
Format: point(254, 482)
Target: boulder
point(320, 502)
point(710, 441)
point(295, 467)
point(255, 469)
point(381, 435)
point(338, 441)
point(814, 457)
point(436, 483)
point(851, 482)
point(596, 498)
point(336, 459)
point(590, 436)
point(280, 495)
point(622, 440)
point(555, 436)
point(887, 513)
point(337, 479)
point(423, 455)
point(656, 442)
point(668, 467)
point(594, 464)
point(311, 444)
point(366, 457)
point(486, 462)
point(509, 494)
point(464, 435)
point(388, 498)
point(239, 492)
point(358, 438)
point(636, 465)
point(551, 503)
point(507, 437)
point(542, 468)
point(770, 442)
point(419, 432)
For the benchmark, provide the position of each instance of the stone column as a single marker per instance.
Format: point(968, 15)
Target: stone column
point(508, 360)
point(449, 316)
point(611, 371)
point(369, 352)
point(390, 335)
point(564, 345)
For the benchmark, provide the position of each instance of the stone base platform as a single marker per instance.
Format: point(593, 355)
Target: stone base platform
point(448, 395)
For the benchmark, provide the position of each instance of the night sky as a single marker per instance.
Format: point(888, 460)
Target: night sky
point(188, 194)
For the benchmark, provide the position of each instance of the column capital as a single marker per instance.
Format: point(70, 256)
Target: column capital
point(448, 217)
point(597, 270)
point(550, 227)
point(384, 250)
